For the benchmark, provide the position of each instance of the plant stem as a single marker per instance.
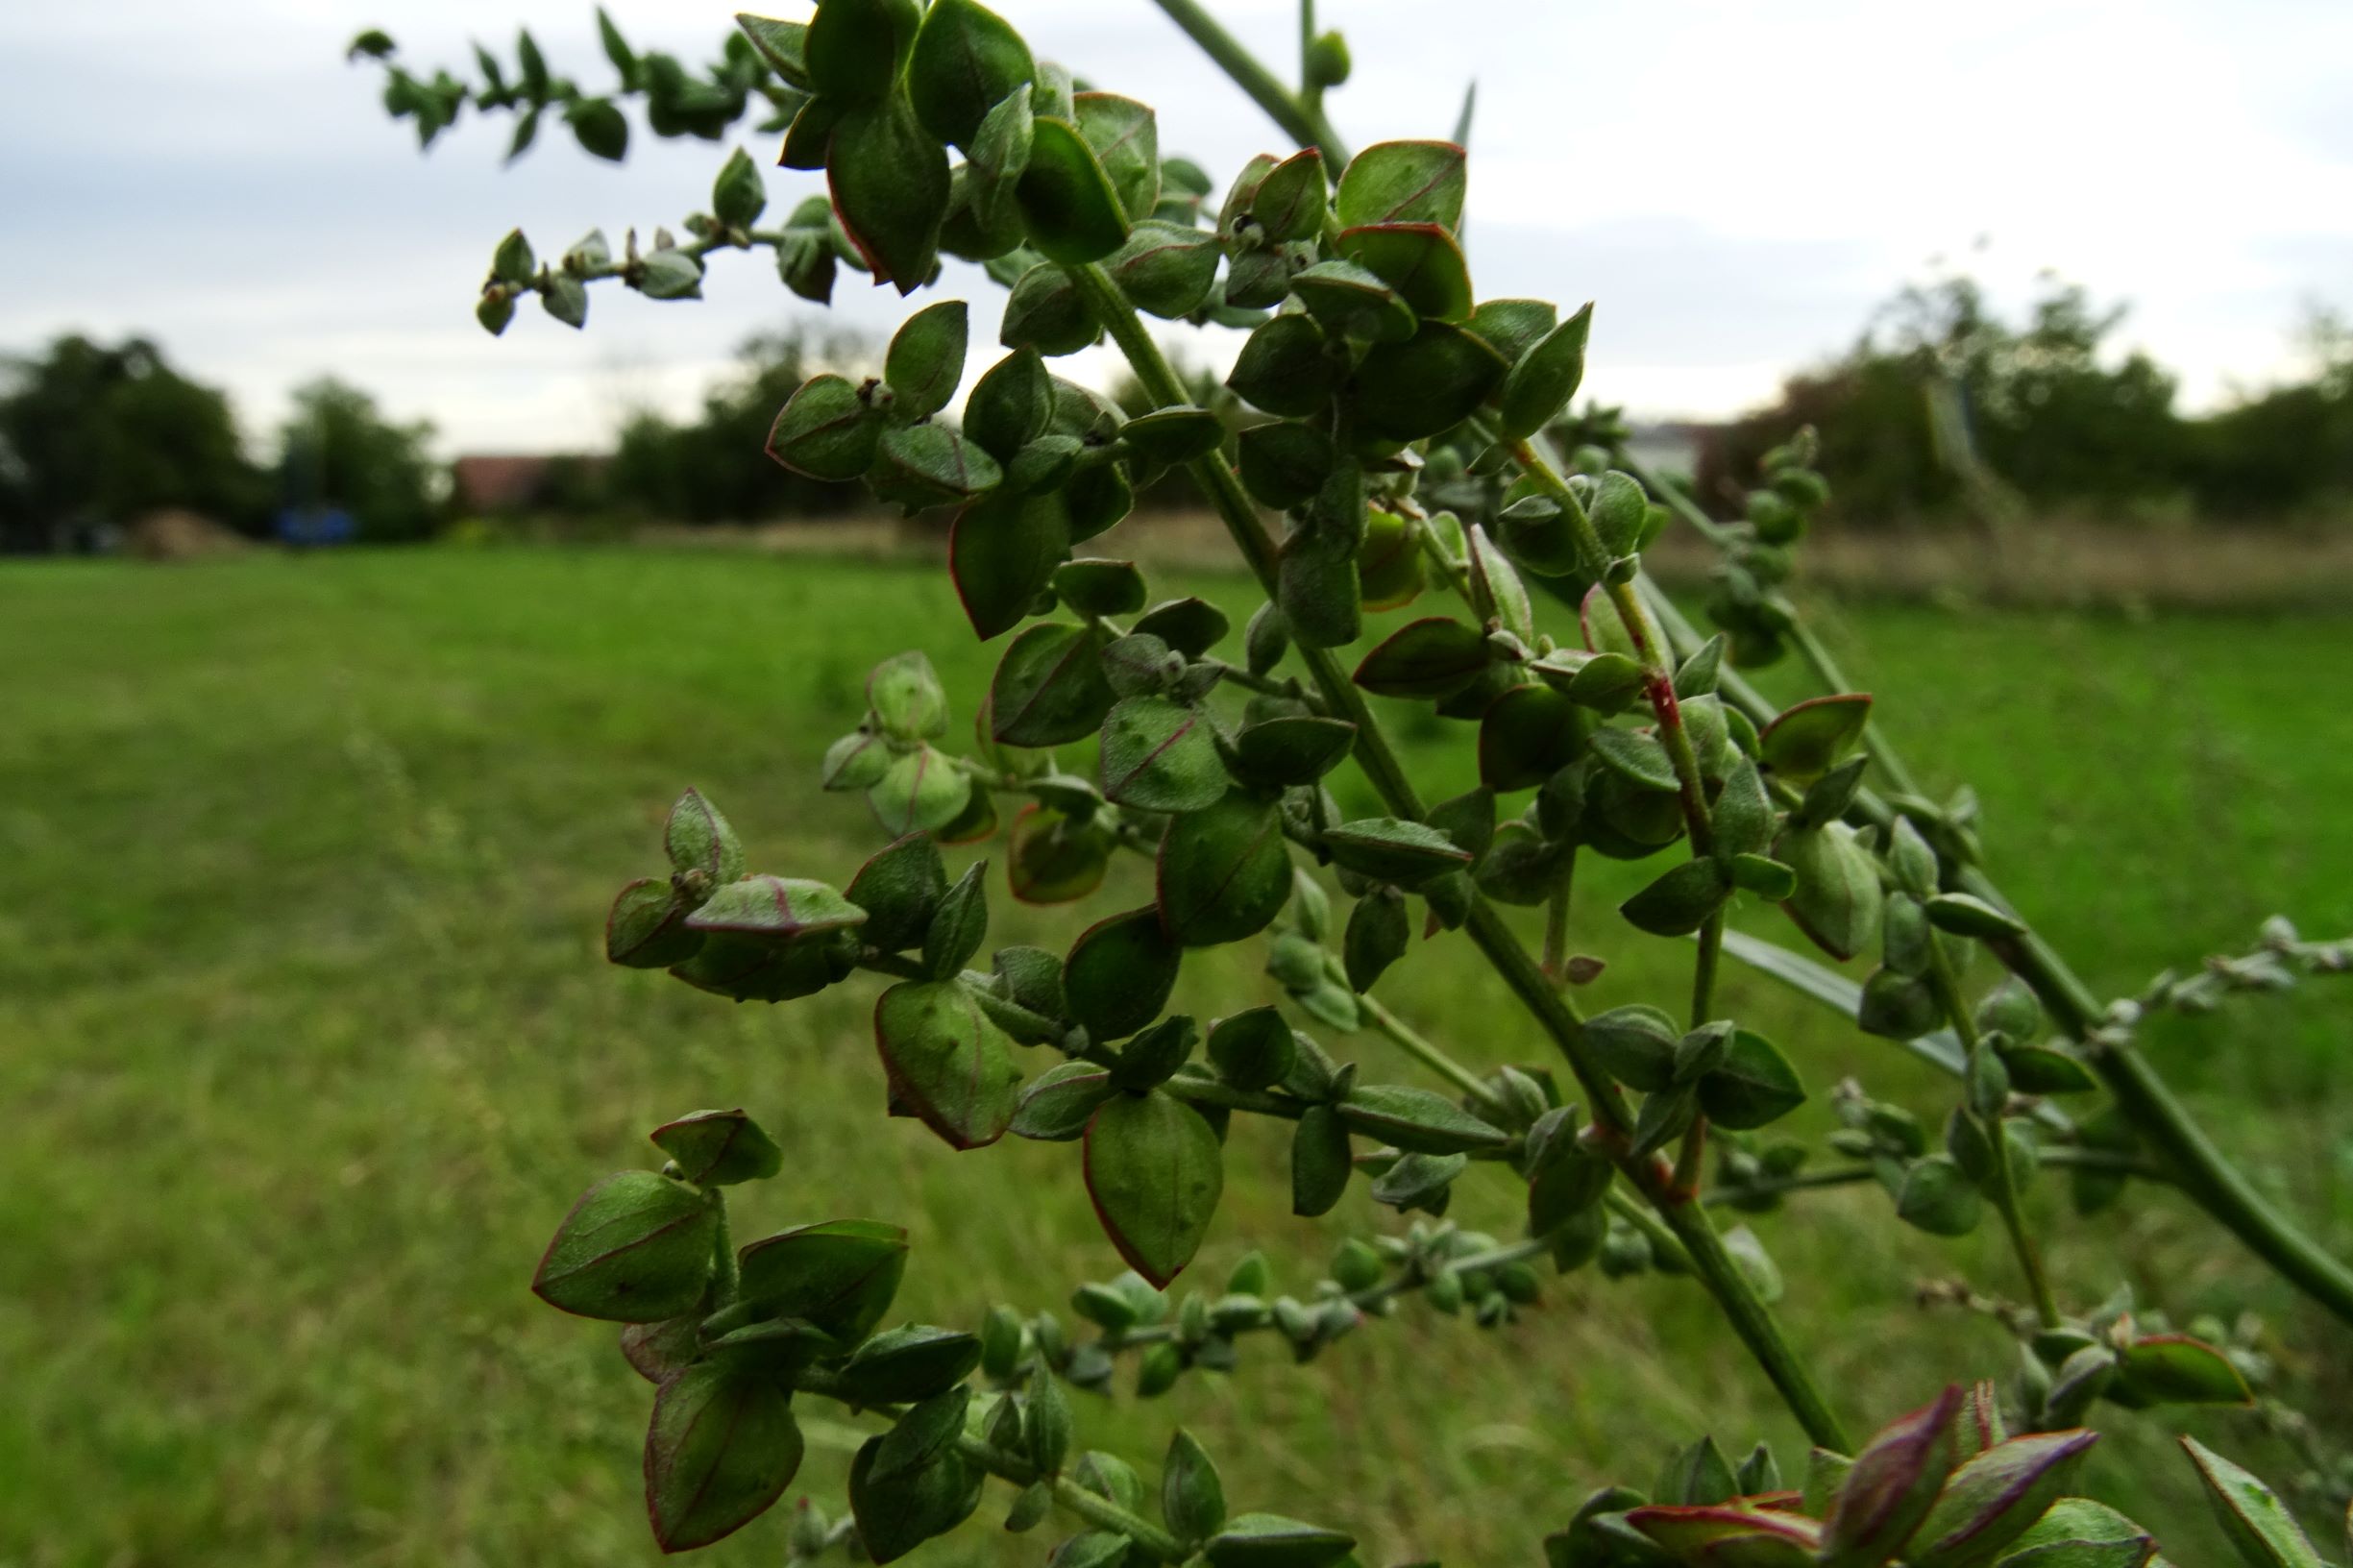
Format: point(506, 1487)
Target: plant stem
point(1304, 123)
point(1948, 990)
point(2148, 1103)
point(2123, 1165)
point(1431, 1056)
point(1751, 1319)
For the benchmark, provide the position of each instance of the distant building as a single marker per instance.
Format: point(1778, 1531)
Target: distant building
point(507, 484)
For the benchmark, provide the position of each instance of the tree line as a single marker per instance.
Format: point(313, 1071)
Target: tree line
point(1944, 411)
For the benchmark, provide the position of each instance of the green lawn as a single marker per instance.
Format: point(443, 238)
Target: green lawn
point(305, 1042)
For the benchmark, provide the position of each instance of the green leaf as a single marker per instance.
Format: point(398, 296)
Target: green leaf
point(1224, 872)
point(1057, 1103)
point(1402, 181)
point(1813, 736)
point(1939, 1197)
point(854, 48)
point(1284, 464)
point(1155, 1172)
point(1526, 735)
point(926, 360)
point(719, 1148)
point(2177, 1369)
point(1165, 269)
point(1427, 384)
point(739, 195)
point(1350, 300)
point(1277, 754)
point(1010, 405)
point(1514, 326)
point(2078, 1532)
point(890, 183)
point(1966, 915)
point(1054, 858)
point(1429, 658)
point(1636, 1044)
point(840, 1276)
point(1120, 973)
point(1420, 260)
point(777, 908)
point(1497, 591)
point(1002, 552)
point(1320, 1161)
point(906, 697)
point(1377, 936)
point(1635, 757)
point(899, 887)
point(646, 928)
point(959, 925)
point(923, 790)
point(1049, 688)
point(1417, 1120)
point(827, 430)
point(1168, 437)
point(918, 466)
point(947, 1061)
point(1094, 587)
point(1753, 1085)
point(1288, 200)
point(2254, 1520)
point(1045, 315)
point(1068, 202)
point(1252, 1049)
point(911, 1362)
point(1282, 368)
point(1125, 137)
point(636, 1248)
point(1893, 1484)
point(1392, 849)
point(1995, 1497)
point(603, 131)
point(1159, 755)
point(967, 59)
point(782, 45)
point(1837, 902)
point(1192, 1500)
point(1545, 377)
point(1269, 1540)
point(1316, 587)
point(722, 1447)
point(1678, 900)
point(899, 1514)
point(699, 839)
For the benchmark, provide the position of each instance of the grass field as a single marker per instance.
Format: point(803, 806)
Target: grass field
point(305, 1042)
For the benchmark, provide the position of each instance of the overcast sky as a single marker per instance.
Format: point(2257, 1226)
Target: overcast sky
point(1737, 184)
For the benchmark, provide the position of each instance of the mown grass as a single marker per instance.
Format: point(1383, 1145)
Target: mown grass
point(305, 1044)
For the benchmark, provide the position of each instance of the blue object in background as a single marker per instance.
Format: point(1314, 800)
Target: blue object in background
point(312, 528)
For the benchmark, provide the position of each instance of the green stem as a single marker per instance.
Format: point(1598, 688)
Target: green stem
point(1304, 123)
point(1948, 990)
point(2148, 1103)
point(2123, 1165)
point(1751, 1319)
point(1431, 1056)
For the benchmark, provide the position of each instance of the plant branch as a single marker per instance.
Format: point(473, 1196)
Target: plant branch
point(2004, 1184)
point(1303, 122)
point(1751, 1319)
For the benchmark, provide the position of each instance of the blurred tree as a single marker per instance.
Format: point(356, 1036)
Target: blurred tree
point(2289, 451)
point(338, 450)
point(709, 471)
point(92, 437)
point(1943, 405)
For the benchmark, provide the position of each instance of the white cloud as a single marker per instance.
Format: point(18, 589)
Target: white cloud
point(1737, 184)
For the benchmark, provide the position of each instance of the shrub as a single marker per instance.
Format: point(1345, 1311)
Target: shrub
point(1401, 447)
